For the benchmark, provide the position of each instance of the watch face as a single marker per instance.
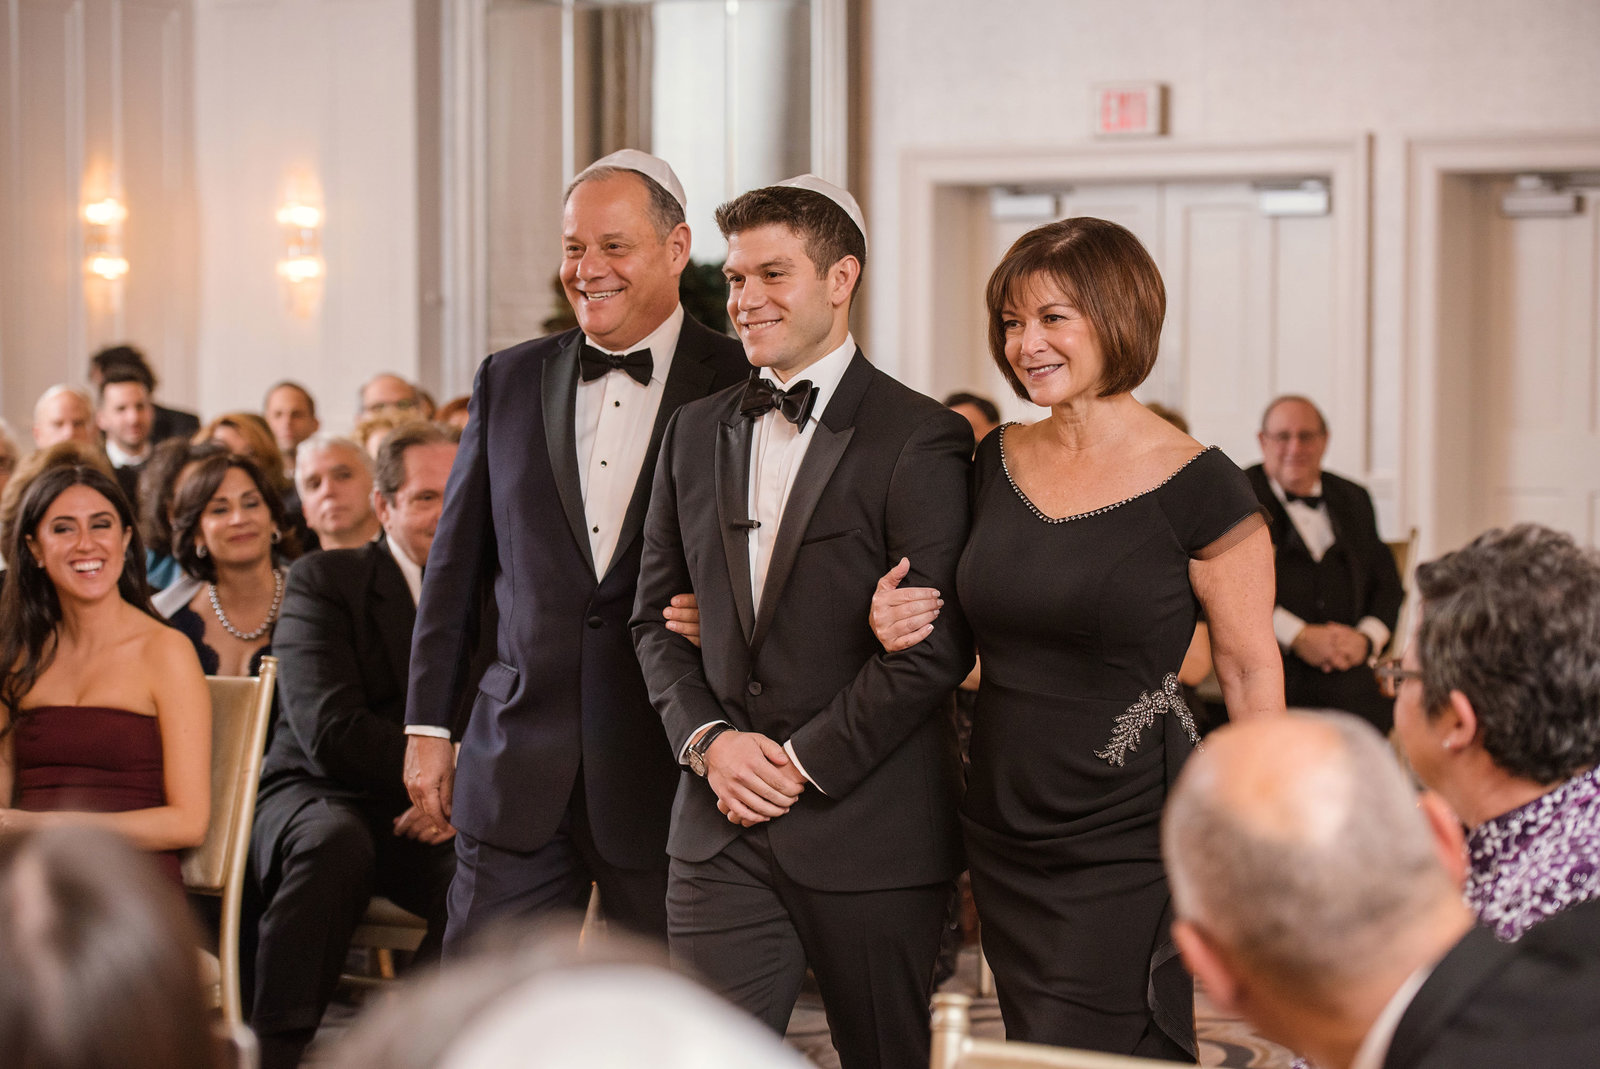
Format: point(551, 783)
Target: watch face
point(697, 762)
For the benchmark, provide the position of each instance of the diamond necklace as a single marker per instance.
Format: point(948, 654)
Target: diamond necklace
point(266, 625)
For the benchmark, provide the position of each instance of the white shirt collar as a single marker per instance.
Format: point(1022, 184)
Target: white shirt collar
point(408, 568)
point(1374, 1049)
point(121, 458)
point(662, 343)
point(825, 374)
point(1283, 499)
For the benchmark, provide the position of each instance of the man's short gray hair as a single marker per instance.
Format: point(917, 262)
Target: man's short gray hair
point(323, 442)
point(1308, 866)
point(665, 211)
point(1512, 621)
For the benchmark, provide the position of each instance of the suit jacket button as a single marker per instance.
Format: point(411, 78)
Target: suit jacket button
point(754, 688)
point(595, 621)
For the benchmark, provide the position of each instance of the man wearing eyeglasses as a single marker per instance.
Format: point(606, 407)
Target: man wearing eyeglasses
point(1339, 593)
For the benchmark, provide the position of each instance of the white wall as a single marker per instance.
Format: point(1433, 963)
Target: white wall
point(318, 96)
point(952, 73)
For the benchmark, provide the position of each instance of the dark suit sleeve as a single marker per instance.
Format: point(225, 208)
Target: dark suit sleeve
point(925, 519)
point(323, 700)
point(673, 672)
point(462, 555)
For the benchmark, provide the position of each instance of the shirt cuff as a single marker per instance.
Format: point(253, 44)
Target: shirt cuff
point(1375, 630)
point(1286, 626)
point(683, 754)
point(428, 730)
point(788, 748)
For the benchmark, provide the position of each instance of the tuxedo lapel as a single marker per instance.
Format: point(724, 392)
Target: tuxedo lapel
point(690, 378)
point(829, 437)
point(731, 471)
point(559, 392)
point(393, 613)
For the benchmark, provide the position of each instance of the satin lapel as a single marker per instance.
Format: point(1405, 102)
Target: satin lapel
point(832, 434)
point(731, 470)
point(559, 391)
point(393, 613)
point(690, 378)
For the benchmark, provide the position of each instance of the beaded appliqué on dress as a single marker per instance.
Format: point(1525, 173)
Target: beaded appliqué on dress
point(1142, 713)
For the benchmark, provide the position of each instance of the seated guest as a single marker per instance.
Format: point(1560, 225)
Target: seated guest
point(978, 411)
point(1497, 707)
point(453, 412)
point(1318, 900)
point(106, 716)
point(1338, 590)
point(9, 455)
point(101, 969)
point(62, 414)
point(68, 452)
point(387, 394)
point(168, 422)
point(125, 417)
point(231, 539)
point(248, 433)
point(334, 478)
point(158, 486)
point(334, 825)
point(371, 430)
point(291, 412)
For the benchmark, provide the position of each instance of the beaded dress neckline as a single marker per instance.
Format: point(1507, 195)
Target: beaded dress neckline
point(1005, 465)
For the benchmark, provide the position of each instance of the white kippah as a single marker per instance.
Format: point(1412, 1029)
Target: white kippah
point(654, 168)
point(838, 194)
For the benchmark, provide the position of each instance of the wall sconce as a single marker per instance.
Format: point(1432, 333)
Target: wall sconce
point(103, 239)
point(302, 243)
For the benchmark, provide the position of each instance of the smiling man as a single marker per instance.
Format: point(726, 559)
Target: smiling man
point(816, 812)
point(1338, 592)
point(126, 417)
point(564, 775)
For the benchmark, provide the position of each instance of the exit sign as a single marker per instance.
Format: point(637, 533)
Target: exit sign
point(1137, 109)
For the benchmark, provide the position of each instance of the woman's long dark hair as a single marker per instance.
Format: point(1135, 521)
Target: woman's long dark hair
point(30, 610)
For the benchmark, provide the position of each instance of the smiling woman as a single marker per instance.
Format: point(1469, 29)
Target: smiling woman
point(106, 720)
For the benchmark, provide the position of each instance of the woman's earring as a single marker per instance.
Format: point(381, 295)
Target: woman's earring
point(277, 536)
point(201, 550)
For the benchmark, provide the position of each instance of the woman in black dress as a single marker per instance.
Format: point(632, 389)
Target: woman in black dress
point(1098, 535)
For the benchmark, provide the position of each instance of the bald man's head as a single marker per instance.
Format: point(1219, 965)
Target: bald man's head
point(62, 414)
point(1297, 844)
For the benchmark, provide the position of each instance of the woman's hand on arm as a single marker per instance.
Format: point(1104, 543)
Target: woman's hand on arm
point(1235, 589)
point(901, 618)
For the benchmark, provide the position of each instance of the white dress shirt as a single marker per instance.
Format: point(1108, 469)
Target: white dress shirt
point(408, 568)
point(121, 458)
point(1374, 1047)
point(612, 422)
point(1316, 531)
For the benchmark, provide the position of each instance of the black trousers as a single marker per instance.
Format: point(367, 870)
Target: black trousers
point(749, 929)
point(317, 876)
point(493, 884)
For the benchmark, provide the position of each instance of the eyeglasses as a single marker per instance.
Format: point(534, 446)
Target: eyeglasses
point(1299, 437)
point(1391, 675)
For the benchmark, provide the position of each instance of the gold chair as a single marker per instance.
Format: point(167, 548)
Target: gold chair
point(240, 707)
point(1404, 552)
point(384, 929)
point(955, 1048)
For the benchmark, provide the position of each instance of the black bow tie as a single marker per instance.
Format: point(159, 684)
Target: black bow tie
point(761, 397)
point(1313, 500)
point(592, 363)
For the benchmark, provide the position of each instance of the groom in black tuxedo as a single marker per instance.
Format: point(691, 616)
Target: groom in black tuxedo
point(564, 775)
point(815, 819)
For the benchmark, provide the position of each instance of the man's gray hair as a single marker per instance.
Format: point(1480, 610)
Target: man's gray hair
point(1512, 621)
point(56, 391)
point(323, 442)
point(1307, 863)
point(665, 211)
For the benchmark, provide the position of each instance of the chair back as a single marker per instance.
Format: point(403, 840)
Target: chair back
point(1404, 552)
point(955, 1048)
point(240, 708)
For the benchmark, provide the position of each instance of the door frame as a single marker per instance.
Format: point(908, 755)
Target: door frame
point(939, 185)
point(1438, 173)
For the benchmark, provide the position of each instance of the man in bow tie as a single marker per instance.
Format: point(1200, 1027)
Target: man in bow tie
point(1339, 593)
point(564, 775)
point(816, 811)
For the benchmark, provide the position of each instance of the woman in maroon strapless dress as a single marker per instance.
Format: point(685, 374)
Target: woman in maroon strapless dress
point(104, 714)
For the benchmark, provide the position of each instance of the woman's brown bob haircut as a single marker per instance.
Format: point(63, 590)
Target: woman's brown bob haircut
point(1105, 273)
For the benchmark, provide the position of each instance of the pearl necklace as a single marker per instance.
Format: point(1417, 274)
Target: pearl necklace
point(266, 625)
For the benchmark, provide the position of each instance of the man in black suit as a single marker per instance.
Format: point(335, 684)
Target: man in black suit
point(125, 416)
point(565, 776)
point(1320, 901)
point(815, 819)
point(334, 825)
point(1339, 593)
point(168, 422)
